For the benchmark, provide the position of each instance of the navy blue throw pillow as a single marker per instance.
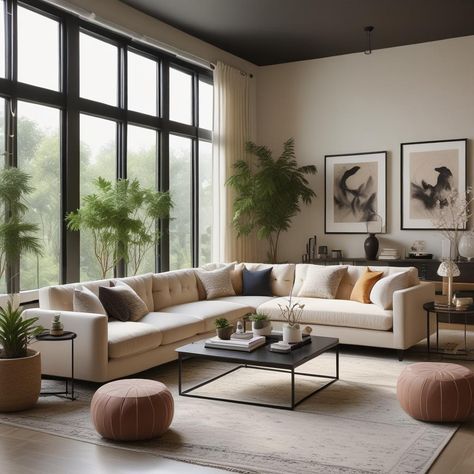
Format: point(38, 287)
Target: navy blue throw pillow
point(257, 283)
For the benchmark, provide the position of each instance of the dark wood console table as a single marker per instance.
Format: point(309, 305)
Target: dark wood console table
point(427, 268)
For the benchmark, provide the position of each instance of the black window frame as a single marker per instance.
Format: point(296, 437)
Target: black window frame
point(68, 100)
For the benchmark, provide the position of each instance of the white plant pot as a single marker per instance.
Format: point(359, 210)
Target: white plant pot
point(292, 334)
point(265, 331)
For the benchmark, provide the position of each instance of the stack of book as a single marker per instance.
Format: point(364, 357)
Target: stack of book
point(389, 254)
point(245, 345)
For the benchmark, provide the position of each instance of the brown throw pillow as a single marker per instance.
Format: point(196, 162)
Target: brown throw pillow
point(363, 286)
point(122, 303)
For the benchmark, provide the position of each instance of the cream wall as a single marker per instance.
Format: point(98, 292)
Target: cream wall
point(360, 103)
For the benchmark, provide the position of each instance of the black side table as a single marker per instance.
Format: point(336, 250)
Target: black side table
point(67, 336)
point(460, 316)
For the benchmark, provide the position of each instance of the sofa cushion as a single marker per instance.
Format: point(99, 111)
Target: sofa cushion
point(364, 285)
point(217, 282)
point(283, 275)
point(143, 287)
point(252, 301)
point(322, 282)
point(209, 310)
point(334, 313)
point(382, 291)
point(122, 303)
point(129, 338)
point(174, 287)
point(235, 276)
point(84, 301)
point(257, 282)
point(173, 326)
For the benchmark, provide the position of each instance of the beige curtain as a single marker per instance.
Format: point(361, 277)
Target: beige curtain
point(231, 131)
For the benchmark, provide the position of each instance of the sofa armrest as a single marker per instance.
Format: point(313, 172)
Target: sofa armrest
point(409, 317)
point(90, 346)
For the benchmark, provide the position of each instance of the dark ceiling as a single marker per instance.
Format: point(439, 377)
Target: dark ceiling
point(278, 31)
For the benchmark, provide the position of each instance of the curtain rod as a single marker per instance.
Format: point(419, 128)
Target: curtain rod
point(139, 38)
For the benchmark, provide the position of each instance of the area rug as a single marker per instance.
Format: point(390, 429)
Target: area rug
point(354, 426)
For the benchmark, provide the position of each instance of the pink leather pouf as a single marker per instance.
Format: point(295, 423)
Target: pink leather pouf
point(430, 391)
point(132, 409)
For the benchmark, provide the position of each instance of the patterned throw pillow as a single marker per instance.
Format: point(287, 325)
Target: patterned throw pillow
point(322, 282)
point(216, 283)
point(364, 285)
point(84, 301)
point(122, 302)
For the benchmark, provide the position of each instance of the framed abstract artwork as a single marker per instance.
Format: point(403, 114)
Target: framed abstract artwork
point(355, 192)
point(429, 172)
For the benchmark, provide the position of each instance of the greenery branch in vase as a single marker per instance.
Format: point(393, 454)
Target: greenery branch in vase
point(122, 217)
point(292, 313)
point(268, 193)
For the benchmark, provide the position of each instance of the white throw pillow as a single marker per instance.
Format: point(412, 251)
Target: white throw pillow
point(382, 291)
point(84, 301)
point(322, 282)
point(217, 283)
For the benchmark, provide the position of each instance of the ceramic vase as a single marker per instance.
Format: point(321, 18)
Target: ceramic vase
point(292, 334)
point(466, 246)
point(371, 247)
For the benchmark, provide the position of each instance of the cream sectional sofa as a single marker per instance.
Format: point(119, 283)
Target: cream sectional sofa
point(109, 349)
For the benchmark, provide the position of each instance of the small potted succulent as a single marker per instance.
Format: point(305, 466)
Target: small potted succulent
point(57, 327)
point(261, 325)
point(224, 328)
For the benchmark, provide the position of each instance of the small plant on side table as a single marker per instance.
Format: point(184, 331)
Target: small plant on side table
point(223, 328)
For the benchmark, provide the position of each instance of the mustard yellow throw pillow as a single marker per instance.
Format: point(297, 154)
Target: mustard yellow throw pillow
point(363, 286)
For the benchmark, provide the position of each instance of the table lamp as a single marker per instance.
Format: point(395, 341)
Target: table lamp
point(449, 269)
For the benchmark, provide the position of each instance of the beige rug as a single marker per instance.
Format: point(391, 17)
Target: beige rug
point(354, 426)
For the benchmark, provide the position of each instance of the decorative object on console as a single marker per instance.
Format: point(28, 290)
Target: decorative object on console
point(429, 171)
point(371, 245)
point(268, 193)
point(223, 328)
point(57, 327)
point(449, 269)
point(355, 190)
point(368, 31)
point(261, 325)
point(322, 251)
point(310, 250)
point(389, 254)
point(466, 245)
point(20, 367)
point(336, 254)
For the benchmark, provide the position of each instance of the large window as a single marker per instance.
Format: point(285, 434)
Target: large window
point(79, 102)
point(38, 37)
point(39, 155)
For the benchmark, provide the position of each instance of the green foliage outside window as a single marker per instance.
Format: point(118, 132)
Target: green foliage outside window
point(121, 217)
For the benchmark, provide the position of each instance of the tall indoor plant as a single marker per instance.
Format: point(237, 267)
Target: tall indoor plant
point(122, 217)
point(20, 368)
point(269, 192)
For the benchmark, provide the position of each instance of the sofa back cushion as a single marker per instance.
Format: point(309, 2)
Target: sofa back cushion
point(174, 287)
point(351, 276)
point(61, 297)
point(282, 276)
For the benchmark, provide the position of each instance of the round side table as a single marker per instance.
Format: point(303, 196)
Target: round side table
point(466, 314)
point(66, 336)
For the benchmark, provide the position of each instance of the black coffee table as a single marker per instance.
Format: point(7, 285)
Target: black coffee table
point(262, 359)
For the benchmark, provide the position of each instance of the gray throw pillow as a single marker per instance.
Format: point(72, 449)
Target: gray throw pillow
point(217, 283)
point(122, 302)
point(84, 301)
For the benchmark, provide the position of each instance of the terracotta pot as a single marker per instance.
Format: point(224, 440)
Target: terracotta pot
point(225, 333)
point(20, 382)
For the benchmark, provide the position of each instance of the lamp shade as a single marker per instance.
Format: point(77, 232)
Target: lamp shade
point(448, 269)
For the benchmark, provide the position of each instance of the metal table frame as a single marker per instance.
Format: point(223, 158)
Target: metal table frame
point(294, 403)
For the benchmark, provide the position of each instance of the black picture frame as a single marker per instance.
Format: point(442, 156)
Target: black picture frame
point(421, 169)
point(365, 161)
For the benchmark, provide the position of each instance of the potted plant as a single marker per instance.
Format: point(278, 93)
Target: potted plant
point(20, 367)
point(223, 328)
point(122, 218)
point(268, 193)
point(291, 313)
point(261, 325)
